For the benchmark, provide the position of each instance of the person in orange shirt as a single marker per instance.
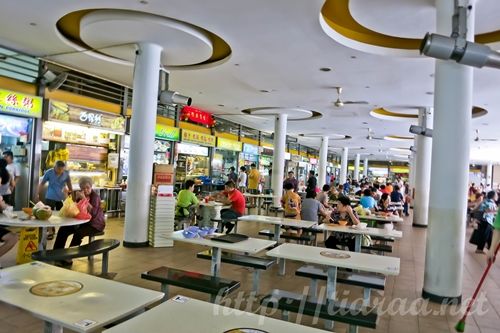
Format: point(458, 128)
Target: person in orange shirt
point(389, 188)
point(291, 202)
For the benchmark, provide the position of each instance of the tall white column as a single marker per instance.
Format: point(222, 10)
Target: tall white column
point(356, 166)
point(489, 174)
point(411, 177)
point(323, 162)
point(279, 157)
point(142, 137)
point(422, 170)
point(365, 167)
point(343, 165)
point(450, 169)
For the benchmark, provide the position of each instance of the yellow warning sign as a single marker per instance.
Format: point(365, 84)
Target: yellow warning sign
point(28, 241)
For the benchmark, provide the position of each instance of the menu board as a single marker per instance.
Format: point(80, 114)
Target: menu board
point(87, 153)
point(71, 134)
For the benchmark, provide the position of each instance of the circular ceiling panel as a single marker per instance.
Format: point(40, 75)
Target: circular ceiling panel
point(408, 113)
point(111, 34)
point(293, 113)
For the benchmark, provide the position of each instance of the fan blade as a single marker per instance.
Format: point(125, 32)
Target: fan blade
point(488, 139)
point(356, 102)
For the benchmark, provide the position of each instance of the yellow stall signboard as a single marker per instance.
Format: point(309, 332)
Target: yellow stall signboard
point(228, 144)
point(20, 104)
point(198, 138)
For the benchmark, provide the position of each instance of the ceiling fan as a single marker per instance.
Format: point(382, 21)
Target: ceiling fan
point(340, 103)
point(477, 139)
point(371, 137)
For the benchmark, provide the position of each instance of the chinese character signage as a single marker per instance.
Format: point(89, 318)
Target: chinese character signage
point(60, 111)
point(197, 116)
point(250, 149)
point(227, 144)
point(20, 104)
point(198, 138)
point(169, 133)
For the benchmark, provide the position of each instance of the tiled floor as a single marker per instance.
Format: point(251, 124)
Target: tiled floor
point(406, 287)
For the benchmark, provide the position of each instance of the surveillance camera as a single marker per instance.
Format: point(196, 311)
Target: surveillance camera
point(460, 50)
point(420, 130)
point(173, 97)
point(413, 149)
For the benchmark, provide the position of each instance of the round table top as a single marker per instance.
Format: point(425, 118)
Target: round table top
point(22, 220)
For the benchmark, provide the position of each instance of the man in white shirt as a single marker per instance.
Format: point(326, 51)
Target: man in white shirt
point(242, 179)
point(15, 173)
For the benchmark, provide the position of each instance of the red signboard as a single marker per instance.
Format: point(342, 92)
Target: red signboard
point(197, 116)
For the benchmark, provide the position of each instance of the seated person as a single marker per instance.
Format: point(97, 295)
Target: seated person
point(291, 202)
point(333, 194)
point(367, 200)
point(231, 196)
point(311, 208)
point(396, 195)
point(384, 203)
point(186, 201)
point(322, 196)
point(8, 238)
point(340, 240)
point(95, 225)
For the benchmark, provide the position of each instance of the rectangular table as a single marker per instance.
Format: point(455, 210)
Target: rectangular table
point(187, 315)
point(259, 197)
point(99, 302)
point(249, 246)
point(278, 222)
point(381, 219)
point(356, 261)
point(358, 233)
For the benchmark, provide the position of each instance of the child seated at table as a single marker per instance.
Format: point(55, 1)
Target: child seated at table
point(343, 212)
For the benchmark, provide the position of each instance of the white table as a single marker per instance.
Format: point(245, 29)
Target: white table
point(260, 197)
point(98, 303)
point(357, 261)
point(187, 315)
point(248, 246)
point(358, 233)
point(383, 219)
point(278, 222)
point(23, 221)
point(211, 210)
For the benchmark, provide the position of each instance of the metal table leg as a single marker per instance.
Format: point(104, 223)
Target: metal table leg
point(49, 327)
point(277, 231)
point(42, 242)
point(215, 266)
point(281, 264)
point(357, 244)
point(259, 209)
point(331, 286)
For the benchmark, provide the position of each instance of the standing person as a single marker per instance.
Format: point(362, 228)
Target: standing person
point(253, 182)
point(5, 182)
point(242, 179)
point(232, 175)
point(268, 179)
point(312, 182)
point(291, 202)
point(489, 208)
point(231, 196)
point(291, 180)
point(15, 173)
point(495, 238)
point(95, 225)
point(58, 179)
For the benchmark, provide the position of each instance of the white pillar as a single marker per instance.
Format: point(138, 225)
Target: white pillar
point(142, 137)
point(343, 165)
point(365, 167)
point(323, 157)
point(356, 167)
point(489, 174)
point(422, 170)
point(450, 169)
point(279, 157)
point(411, 177)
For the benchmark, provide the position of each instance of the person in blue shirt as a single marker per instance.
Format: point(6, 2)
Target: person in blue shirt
point(367, 201)
point(58, 179)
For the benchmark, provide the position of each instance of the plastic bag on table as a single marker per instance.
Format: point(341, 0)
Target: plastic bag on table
point(69, 208)
point(83, 208)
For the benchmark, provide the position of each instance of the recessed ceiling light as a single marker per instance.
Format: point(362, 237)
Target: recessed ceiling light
point(353, 57)
point(429, 93)
point(199, 92)
point(221, 105)
point(365, 123)
point(325, 69)
point(484, 124)
point(264, 91)
point(144, 2)
point(367, 87)
point(33, 24)
point(236, 64)
point(431, 75)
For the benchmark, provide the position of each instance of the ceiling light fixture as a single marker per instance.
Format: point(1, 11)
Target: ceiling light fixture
point(325, 69)
point(33, 24)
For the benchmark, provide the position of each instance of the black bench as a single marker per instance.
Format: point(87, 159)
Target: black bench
point(367, 281)
point(100, 246)
point(91, 239)
point(382, 239)
point(379, 248)
point(215, 286)
point(302, 238)
point(257, 263)
point(329, 310)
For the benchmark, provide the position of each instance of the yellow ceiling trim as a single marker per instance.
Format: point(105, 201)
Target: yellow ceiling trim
point(18, 86)
point(387, 113)
point(337, 15)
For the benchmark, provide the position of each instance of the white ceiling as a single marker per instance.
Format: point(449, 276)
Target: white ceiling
point(279, 46)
